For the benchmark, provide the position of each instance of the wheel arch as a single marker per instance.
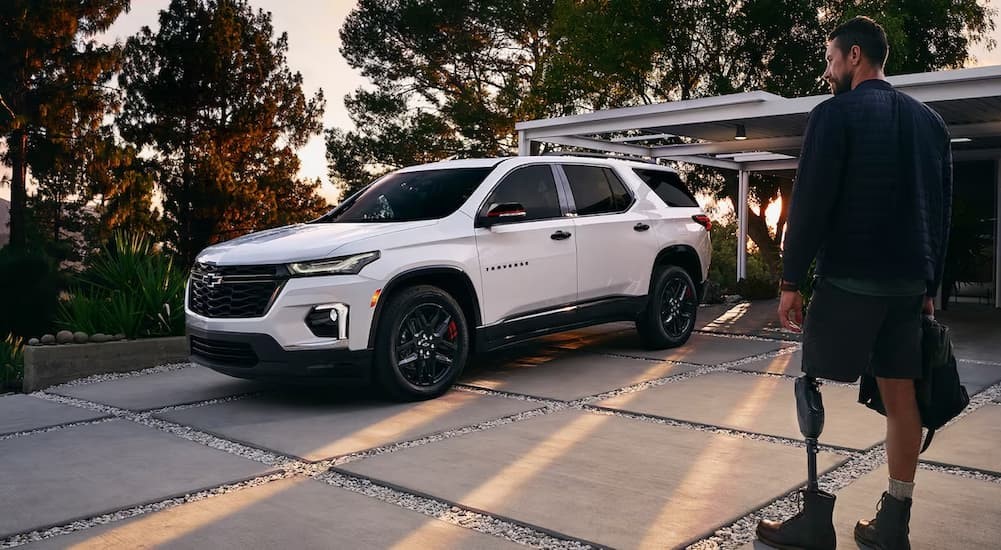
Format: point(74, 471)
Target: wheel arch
point(448, 278)
point(683, 256)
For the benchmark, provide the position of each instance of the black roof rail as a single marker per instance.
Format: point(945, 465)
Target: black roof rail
point(596, 155)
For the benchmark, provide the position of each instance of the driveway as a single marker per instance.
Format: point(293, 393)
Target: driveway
point(580, 439)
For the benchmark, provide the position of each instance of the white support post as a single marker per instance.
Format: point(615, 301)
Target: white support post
point(524, 145)
point(741, 207)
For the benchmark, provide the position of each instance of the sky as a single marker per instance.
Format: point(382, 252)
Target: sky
point(314, 41)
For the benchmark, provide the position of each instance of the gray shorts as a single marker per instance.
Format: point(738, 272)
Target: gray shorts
point(846, 335)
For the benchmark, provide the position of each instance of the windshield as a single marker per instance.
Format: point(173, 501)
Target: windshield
point(410, 196)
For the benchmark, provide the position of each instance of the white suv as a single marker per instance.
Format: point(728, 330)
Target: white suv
point(405, 279)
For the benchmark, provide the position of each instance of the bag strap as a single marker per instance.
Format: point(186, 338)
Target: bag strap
point(928, 438)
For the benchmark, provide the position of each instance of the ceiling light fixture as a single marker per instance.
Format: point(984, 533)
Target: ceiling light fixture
point(960, 140)
point(741, 133)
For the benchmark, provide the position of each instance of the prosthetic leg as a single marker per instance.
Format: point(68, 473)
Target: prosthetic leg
point(813, 527)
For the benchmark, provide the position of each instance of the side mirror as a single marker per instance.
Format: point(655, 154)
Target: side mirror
point(503, 213)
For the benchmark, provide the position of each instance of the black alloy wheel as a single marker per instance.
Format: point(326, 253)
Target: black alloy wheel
point(422, 343)
point(426, 349)
point(669, 318)
point(678, 305)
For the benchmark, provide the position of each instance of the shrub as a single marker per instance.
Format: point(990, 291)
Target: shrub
point(29, 284)
point(757, 288)
point(11, 361)
point(723, 269)
point(127, 288)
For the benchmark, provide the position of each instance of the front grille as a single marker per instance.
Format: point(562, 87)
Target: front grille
point(234, 354)
point(234, 292)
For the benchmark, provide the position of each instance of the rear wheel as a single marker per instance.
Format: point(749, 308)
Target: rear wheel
point(669, 318)
point(422, 344)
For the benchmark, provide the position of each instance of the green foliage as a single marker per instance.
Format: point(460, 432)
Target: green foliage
point(11, 361)
point(128, 288)
point(723, 269)
point(29, 284)
point(226, 133)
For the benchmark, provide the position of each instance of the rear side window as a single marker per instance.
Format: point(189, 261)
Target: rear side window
point(596, 190)
point(533, 187)
point(668, 186)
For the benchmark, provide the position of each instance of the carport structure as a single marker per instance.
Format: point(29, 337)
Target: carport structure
point(763, 132)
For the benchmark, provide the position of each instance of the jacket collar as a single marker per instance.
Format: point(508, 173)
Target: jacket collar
point(876, 83)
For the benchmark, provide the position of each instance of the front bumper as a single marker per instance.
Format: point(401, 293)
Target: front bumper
point(260, 357)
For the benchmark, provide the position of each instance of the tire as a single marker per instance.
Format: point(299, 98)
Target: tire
point(422, 344)
point(669, 317)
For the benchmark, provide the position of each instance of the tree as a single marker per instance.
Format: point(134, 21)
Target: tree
point(211, 93)
point(452, 78)
point(53, 91)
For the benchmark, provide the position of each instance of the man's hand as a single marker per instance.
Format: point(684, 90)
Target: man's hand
point(929, 308)
point(791, 310)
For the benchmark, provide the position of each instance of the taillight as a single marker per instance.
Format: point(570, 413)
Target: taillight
point(704, 221)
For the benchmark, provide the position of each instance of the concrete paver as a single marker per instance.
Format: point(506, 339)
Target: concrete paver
point(789, 364)
point(162, 389)
point(569, 376)
point(977, 377)
point(973, 375)
point(973, 441)
point(702, 349)
point(292, 513)
point(89, 470)
point(20, 413)
point(761, 404)
point(948, 511)
point(316, 429)
point(601, 478)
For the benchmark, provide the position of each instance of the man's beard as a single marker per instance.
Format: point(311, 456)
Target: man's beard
point(841, 85)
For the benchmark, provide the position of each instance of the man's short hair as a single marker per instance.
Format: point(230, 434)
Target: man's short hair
point(865, 33)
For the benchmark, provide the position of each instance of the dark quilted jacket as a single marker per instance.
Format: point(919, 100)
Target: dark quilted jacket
point(873, 191)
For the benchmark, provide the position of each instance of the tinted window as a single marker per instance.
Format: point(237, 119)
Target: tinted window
point(619, 193)
point(534, 188)
point(592, 190)
point(410, 196)
point(668, 186)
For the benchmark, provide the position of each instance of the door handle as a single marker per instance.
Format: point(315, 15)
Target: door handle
point(560, 235)
point(641, 227)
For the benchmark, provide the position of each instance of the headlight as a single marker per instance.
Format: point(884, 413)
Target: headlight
point(345, 265)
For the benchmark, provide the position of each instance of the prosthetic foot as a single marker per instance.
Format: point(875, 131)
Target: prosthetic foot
point(813, 527)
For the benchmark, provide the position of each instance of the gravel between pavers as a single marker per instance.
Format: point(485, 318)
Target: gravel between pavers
point(95, 378)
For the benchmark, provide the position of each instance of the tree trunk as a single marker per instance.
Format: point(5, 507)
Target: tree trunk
point(18, 189)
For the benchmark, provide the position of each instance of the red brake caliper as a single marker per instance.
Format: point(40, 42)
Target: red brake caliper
point(453, 330)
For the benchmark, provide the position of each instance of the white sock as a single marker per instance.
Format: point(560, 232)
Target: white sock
point(901, 490)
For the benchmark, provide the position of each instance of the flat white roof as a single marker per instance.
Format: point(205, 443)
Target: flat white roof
point(969, 101)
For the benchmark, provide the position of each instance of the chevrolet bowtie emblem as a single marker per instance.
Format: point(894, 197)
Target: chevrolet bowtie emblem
point(212, 280)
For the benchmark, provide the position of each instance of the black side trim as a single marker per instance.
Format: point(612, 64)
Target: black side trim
point(559, 319)
point(402, 278)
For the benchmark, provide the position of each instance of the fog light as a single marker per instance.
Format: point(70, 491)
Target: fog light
point(328, 321)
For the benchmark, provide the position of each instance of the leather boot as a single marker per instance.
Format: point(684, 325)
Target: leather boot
point(889, 530)
point(810, 529)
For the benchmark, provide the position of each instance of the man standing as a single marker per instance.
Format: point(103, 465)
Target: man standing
point(872, 205)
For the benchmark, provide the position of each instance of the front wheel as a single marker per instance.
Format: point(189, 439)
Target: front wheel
point(422, 344)
point(669, 318)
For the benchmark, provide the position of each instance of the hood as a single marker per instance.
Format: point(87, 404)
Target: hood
point(295, 243)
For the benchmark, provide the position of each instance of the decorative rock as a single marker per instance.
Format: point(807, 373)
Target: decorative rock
point(48, 339)
point(100, 337)
point(119, 336)
point(33, 342)
point(80, 337)
point(64, 337)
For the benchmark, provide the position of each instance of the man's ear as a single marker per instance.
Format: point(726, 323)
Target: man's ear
point(855, 55)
